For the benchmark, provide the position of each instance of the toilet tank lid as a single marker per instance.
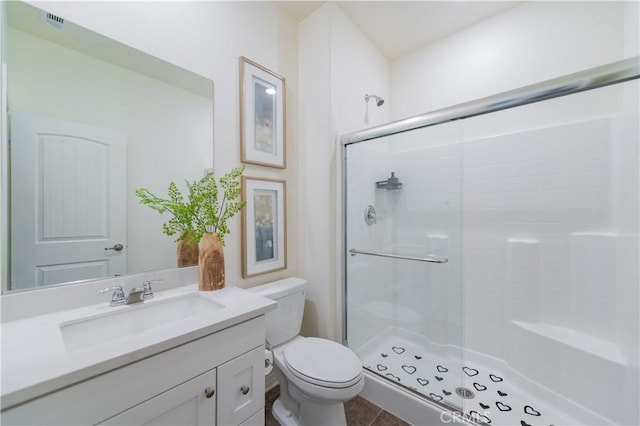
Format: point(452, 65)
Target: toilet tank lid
point(280, 288)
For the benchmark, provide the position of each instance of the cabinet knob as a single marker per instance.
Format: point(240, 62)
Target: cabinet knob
point(208, 392)
point(245, 389)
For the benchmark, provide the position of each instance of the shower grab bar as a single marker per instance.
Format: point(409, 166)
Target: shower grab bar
point(430, 259)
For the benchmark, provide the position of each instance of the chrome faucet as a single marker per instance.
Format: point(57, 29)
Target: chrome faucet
point(136, 294)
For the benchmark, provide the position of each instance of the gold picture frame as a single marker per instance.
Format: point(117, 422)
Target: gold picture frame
point(264, 226)
point(262, 115)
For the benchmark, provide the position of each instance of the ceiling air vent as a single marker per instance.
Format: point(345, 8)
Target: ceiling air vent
point(52, 19)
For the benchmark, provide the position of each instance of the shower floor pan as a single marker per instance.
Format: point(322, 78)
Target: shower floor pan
point(430, 370)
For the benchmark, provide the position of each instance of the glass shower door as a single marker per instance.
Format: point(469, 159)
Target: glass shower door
point(403, 260)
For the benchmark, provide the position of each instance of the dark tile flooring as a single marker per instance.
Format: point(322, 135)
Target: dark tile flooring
point(358, 411)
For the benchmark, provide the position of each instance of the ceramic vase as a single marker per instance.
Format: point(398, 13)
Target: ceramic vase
point(210, 263)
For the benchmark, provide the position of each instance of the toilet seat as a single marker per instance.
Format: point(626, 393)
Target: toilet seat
point(323, 363)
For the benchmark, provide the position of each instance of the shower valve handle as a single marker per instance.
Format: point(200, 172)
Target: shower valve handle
point(370, 215)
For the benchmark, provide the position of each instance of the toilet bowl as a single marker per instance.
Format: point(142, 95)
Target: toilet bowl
point(316, 375)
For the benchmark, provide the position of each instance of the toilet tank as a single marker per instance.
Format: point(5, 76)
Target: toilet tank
point(284, 322)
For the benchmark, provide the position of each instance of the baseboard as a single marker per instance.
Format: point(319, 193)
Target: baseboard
point(270, 381)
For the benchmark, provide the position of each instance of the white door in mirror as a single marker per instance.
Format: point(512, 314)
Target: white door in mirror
point(70, 171)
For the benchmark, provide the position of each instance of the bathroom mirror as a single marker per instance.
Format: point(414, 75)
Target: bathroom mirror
point(89, 121)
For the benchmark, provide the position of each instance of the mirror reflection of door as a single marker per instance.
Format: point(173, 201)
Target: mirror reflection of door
point(75, 74)
point(68, 205)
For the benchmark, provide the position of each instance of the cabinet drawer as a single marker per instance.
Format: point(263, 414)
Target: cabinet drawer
point(189, 404)
point(241, 387)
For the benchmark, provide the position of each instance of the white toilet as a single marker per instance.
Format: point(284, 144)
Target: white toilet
point(316, 375)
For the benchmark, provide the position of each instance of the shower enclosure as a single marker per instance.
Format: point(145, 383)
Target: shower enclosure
point(491, 253)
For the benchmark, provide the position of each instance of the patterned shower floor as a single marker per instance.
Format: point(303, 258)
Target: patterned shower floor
point(495, 400)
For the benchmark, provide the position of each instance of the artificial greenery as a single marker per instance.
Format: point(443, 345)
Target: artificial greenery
point(201, 212)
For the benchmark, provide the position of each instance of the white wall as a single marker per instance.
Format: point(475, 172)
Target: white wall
point(338, 65)
point(208, 38)
point(4, 169)
point(315, 158)
point(523, 45)
point(357, 68)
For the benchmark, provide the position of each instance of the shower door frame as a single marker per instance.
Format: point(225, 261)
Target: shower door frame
point(593, 78)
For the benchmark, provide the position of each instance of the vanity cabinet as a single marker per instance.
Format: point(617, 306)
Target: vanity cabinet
point(189, 404)
point(240, 394)
point(215, 379)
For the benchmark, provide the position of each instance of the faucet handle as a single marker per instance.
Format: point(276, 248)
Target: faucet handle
point(147, 290)
point(117, 298)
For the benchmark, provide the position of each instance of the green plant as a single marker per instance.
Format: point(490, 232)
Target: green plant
point(202, 211)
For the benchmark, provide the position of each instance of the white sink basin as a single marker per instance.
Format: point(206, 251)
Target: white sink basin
point(133, 319)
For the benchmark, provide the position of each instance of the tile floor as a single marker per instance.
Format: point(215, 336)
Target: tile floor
point(359, 412)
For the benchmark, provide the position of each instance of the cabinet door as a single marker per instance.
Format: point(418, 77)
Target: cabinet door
point(189, 404)
point(256, 420)
point(241, 389)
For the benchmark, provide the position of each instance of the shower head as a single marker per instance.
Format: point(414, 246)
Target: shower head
point(379, 100)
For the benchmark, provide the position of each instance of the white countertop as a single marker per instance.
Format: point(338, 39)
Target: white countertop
point(35, 361)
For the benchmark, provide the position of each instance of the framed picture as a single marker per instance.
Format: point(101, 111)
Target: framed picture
point(264, 224)
point(262, 115)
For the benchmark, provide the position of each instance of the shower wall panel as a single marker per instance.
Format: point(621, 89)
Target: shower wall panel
point(551, 249)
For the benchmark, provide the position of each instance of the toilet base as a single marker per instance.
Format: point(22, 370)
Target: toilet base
point(311, 414)
point(282, 415)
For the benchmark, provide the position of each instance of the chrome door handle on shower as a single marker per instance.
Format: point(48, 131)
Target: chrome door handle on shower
point(116, 247)
point(429, 259)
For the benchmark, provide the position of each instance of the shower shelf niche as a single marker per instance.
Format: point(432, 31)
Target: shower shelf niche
point(583, 342)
